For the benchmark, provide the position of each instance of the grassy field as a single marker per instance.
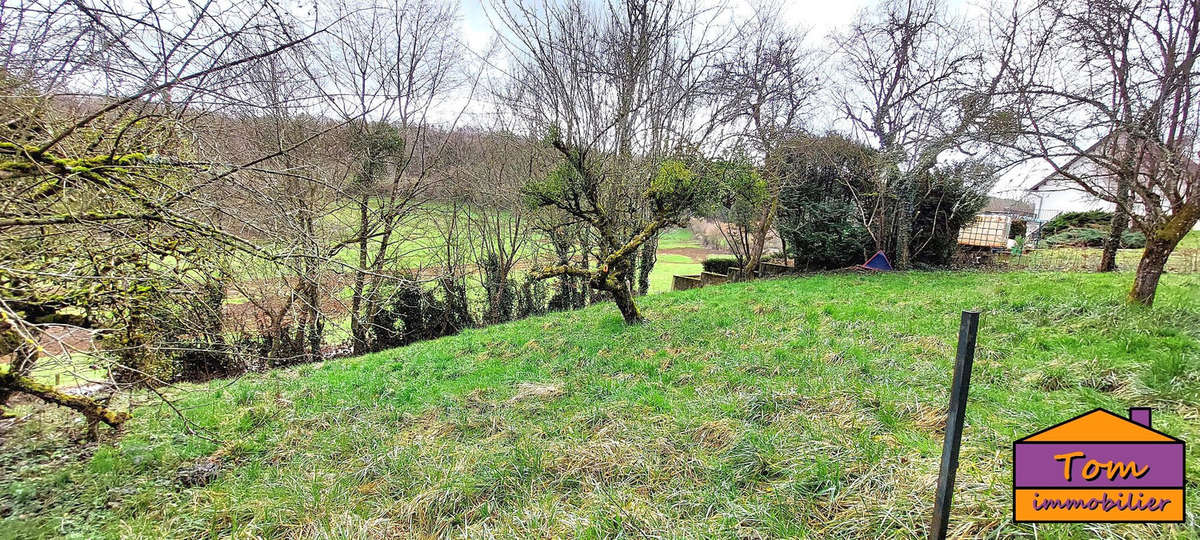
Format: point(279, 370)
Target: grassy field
point(667, 267)
point(417, 251)
point(676, 237)
point(1190, 241)
point(783, 408)
point(1185, 258)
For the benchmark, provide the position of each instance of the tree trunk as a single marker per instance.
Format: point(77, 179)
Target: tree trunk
point(311, 324)
point(646, 265)
point(23, 357)
point(358, 321)
point(1159, 245)
point(586, 297)
point(1108, 258)
point(905, 226)
point(1149, 270)
point(277, 337)
point(312, 292)
point(624, 300)
point(1120, 221)
point(759, 241)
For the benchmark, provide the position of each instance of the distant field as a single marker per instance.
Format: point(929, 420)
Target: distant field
point(794, 407)
point(419, 237)
point(667, 267)
point(675, 238)
point(680, 252)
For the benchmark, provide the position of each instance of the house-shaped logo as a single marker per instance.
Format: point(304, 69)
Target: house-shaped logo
point(1099, 467)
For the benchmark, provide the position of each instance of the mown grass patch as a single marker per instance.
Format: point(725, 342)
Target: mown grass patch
point(668, 266)
point(676, 237)
point(793, 407)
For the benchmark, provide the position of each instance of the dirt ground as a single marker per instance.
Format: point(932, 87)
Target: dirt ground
point(66, 339)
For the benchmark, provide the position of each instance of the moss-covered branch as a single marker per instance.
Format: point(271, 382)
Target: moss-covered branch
point(79, 217)
point(640, 238)
point(86, 406)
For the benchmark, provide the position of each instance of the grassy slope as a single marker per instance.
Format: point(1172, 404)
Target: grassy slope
point(72, 372)
point(788, 407)
point(676, 237)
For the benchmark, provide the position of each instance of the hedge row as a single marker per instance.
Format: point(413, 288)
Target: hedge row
point(1088, 237)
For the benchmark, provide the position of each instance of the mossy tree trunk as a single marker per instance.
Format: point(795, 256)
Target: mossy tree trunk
point(23, 357)
point(1159, 246)
point(623, 297)
point(649, 257)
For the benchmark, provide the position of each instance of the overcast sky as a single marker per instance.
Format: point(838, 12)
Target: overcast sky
point(820, 17)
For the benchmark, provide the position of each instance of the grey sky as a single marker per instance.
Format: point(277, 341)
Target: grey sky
point(820, 17)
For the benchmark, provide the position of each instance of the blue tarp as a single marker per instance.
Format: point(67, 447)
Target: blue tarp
point(878, 262)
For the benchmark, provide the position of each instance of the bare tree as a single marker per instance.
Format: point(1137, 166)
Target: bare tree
point(764, 87)
point(387, 65)
point(500, 230)
point(921, 86)
point(282, 203)
point(615, 92)
point(100, 98)
point(1109, 102)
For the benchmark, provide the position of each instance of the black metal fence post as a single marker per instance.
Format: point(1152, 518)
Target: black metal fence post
point(967, 329)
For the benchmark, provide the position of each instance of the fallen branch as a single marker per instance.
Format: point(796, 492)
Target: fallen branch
point(95, 412)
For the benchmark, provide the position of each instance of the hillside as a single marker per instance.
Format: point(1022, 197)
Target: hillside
point(791, 407)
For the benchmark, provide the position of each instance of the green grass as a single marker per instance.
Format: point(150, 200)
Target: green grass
point(677, 238)
point(667, 267)
point(68, 370)
point(782, 408)
point(1190, 241)
point(1074, 259)
point(670, 264)
point(1185, 258)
